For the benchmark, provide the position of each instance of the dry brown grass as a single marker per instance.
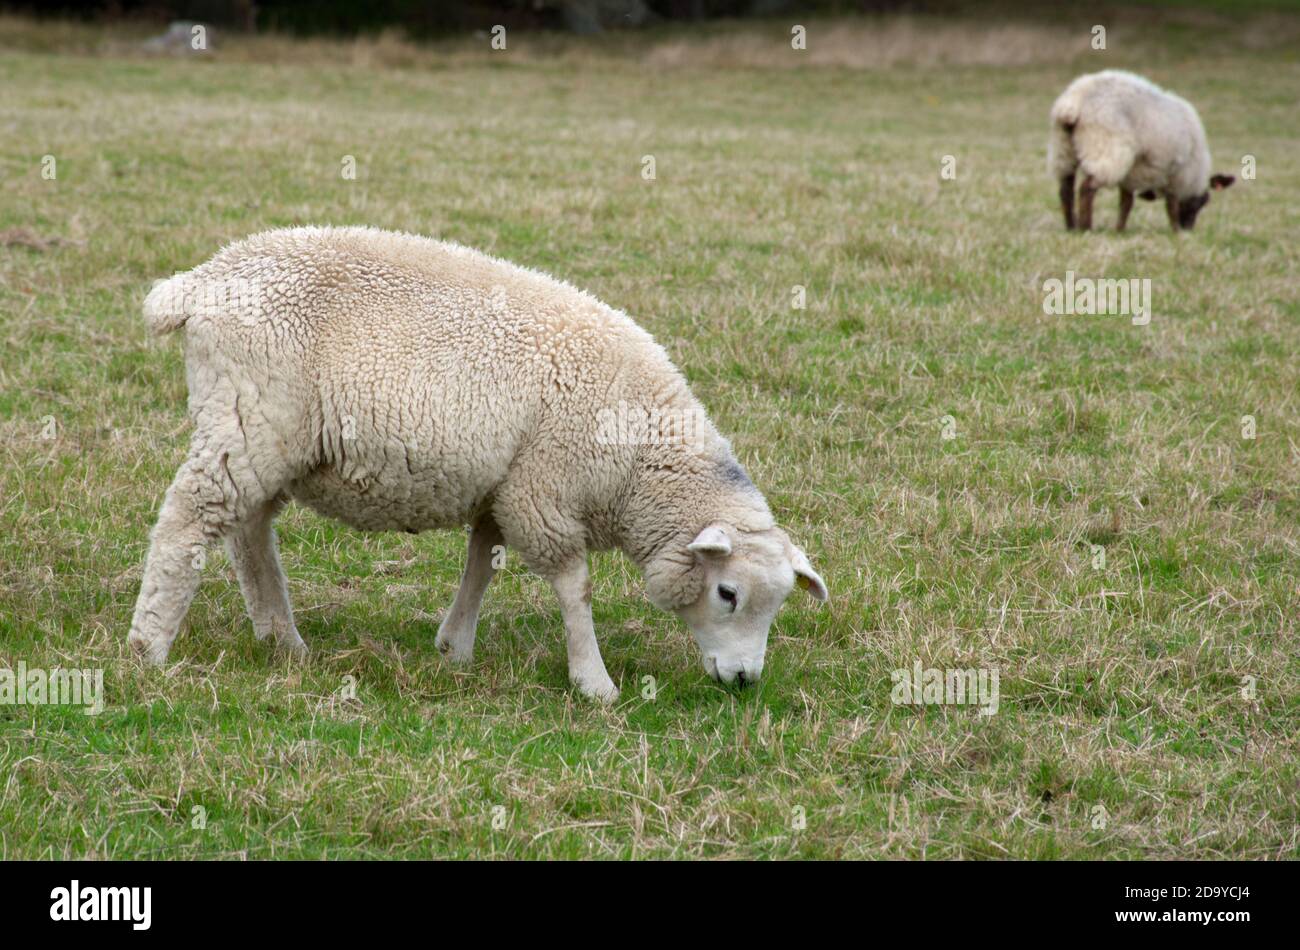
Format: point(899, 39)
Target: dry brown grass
point(1121, 687)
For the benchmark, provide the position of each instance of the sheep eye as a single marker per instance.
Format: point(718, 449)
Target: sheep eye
point(728, 594)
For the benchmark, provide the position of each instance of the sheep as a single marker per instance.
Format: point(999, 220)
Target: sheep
point(395, 382)
point(1123, 130)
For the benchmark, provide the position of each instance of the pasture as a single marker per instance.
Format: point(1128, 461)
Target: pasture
point(1076, 502)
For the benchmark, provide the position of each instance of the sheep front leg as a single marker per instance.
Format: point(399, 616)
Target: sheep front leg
point(1125, 206)
point(456, 632)
point(1067, 200)
point(586, 668)
point(1087, 192)
point(251, 546)
point(196, 511)
point(1171, 209)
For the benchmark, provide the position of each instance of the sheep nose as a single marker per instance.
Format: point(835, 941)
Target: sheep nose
point(739, 674)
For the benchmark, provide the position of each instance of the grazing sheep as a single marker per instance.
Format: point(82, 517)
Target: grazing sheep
point(400, 383)
point(1122, 130)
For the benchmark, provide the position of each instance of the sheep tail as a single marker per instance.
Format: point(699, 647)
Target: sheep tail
point(1067, 109)
point(1061, 156)
point(165, 309)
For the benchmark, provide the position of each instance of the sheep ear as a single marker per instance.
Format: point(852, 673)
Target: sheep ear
point(806, 577)
point(711, 542)
point(1220, 182)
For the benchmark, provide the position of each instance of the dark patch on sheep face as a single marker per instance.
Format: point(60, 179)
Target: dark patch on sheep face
point(1189, 208)
point(730, 471)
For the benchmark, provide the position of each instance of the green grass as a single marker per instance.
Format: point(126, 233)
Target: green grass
point(1121, 687)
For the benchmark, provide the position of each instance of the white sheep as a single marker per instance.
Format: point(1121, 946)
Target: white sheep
point(400, 383)
point(1122, 130)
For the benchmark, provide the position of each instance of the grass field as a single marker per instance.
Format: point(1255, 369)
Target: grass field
point(1150, 704)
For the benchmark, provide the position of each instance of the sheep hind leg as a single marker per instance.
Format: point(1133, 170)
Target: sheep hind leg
point(252, 549)
point(457, 631)
point(1125, 206)
point(1087, 192)
point(198, 509)
point(1067, 200)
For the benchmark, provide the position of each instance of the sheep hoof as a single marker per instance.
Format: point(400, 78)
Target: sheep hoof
point(455, 645)
point(294, 648)
point(599, 690)
point(456, 657)
point(152, 650)
point(286, 635)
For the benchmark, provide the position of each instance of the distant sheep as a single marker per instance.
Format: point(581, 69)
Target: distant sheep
point(1121, 130)
point(400, 383)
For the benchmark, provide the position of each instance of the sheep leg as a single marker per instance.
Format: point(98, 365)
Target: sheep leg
point(456, 632)
point(1067, 200)
point(196, 510)
point(251, 546)
point(586, 668)
point(1171, 209)
point(1125, 206)
point(1087, 191)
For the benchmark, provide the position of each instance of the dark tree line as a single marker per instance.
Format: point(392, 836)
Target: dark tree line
point(424, 18)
